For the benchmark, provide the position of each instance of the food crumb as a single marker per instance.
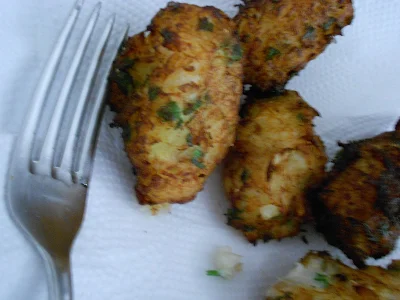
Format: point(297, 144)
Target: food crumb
point(227, 264)
point(304, 239)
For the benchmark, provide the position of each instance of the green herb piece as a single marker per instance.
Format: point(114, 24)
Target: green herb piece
point(272, 52)
point(290, 223)
point(285, 296)
point(125, 63)
point(328, 24)
point(248, 228)
point(205, 25)
point(167, 35)
point(323, 279)
point(237, 52)
point(170, 112)
point(394, 266)
point(301, 117)
point(233, 214)
point(371, 235)
point(189, 140)
point(126, 132)
point(213, 273)
point(179, 123)
point(123, 80)
point(384, 229)
point(341, 277)
point(310, 33)
point(197, 157)
point(245, 175)
point(292, 74)
point(192, 107)
point(207, 98)
point(153, 92)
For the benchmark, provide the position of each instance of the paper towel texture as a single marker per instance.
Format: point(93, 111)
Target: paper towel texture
point(122, 252)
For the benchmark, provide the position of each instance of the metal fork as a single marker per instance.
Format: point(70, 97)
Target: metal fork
point(46, 196)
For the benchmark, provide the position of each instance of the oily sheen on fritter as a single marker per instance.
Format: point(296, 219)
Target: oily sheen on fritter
point(279, 37)
point(319, 276)
point(275, 159)
point(176, 90)
point(357, 207)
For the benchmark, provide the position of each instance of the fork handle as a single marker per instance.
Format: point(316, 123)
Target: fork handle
point(59, 278)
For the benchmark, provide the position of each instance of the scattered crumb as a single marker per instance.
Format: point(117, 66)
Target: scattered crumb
point(157, 209)
point(227, 264)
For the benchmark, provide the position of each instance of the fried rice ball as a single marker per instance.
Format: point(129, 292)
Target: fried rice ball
point(357, 207)
point(319, 276)
point(176, 90)
point(276, 157)
point(280, 37)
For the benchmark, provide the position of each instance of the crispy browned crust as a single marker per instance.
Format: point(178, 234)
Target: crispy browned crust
point(183, 80)
point(276, 157)
point(280, 37)
point(358, 207)
point(342, 282)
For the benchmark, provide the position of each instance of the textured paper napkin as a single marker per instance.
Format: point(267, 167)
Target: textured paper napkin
point(122, 252)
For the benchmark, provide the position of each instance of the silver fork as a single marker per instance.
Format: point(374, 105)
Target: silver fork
point(46, 196)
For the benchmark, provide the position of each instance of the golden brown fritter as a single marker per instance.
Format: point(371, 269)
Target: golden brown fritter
point(279, 37)
point(276, 157)
point(358, 205)
point(319, 276)
point(176, 90)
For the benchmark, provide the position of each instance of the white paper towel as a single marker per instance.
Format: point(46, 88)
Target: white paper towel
point(122, 252)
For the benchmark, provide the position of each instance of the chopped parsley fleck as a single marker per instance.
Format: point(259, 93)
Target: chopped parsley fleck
point(323, 279)
point(125, 63)
point(213, 273)
point(237, 52)
point(310, 33)
point(328, 24)
point(192, 107)
point(189, 140)
point(197, 157)
point(167, 35)
point(394, 266)
point(126, 132)
point(207, 98)
point(205, 24)
point(233, 214)
point(301, 117)
point(123, 80)
point(170, 112)
point(272, 52)
point(245, 175)
point(285, 296)
point(248, 228)
point(153, 92)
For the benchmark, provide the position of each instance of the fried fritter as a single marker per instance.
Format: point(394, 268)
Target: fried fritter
point(279, 37)
point(357, 207)
point(276, 157)
point(176, 90)
point(319, 276)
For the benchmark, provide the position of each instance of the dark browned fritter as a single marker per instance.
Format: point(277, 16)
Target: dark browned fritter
point(176, 90)
point(319, 276)
point(275, 159)
point(280, 37)
point(358, 206)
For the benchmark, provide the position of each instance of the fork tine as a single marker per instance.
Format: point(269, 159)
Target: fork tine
point(79, 163)
point(44, 84)
point(63, 171)
point(43, 165)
